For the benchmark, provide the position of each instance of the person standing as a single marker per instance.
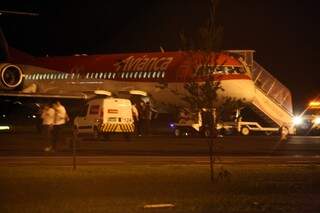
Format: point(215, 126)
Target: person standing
point(148, 114)
point(141, 117)
point(135, 115)
point(61, 118)
point(48, 116)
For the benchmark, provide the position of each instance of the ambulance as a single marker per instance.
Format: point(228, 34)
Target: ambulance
point(105, 116)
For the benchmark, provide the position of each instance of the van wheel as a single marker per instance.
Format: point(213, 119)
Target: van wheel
point(268, 133)
point(126, 136)
point(106, 136)
point(96, 134)
point(245, 131)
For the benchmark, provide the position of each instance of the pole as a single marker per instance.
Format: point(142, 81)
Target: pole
point(74, 150)
point(211, 142)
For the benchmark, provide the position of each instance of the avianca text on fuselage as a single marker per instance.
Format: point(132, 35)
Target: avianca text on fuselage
point(143, 63)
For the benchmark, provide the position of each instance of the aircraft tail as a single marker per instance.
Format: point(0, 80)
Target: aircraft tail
point(4, 49)
point(10, 54)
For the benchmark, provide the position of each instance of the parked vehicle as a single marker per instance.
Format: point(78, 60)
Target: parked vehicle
point(197, 124)
point(105, 116)
point(309, 121)
point(19, 117)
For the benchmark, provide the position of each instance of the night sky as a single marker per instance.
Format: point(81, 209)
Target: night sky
point(285, 34)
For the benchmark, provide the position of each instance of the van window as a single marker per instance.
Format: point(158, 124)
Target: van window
point(94, 109)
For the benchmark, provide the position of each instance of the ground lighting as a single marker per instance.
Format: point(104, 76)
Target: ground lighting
point(297, 120)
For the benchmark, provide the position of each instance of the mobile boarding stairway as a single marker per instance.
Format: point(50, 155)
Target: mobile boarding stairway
point(272, 101)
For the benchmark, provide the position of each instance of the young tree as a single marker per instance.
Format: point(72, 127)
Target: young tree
point(202, 92)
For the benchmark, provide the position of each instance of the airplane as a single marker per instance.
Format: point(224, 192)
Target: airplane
point(160, 75)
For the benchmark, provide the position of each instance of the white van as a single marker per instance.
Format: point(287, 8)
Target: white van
point(104, 116)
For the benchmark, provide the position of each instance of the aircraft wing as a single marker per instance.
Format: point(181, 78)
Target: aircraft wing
point(45, 97)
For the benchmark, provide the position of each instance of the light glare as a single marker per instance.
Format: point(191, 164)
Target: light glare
point(297, 120)
point(316, 121)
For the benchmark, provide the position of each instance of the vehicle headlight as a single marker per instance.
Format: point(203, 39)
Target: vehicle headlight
point(316, 121)
point(297, 120)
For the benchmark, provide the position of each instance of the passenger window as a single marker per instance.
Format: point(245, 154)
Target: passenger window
point(231, 70)
point(219, 69)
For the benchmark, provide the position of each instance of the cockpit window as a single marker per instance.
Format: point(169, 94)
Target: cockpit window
point(204, 70)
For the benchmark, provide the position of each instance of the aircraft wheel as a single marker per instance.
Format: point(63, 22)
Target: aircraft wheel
point(75, 131)
point(206, 132)
point(96, 134)
point(268, 133)
point(177, 132)
point(245, 131)
point(284, 132)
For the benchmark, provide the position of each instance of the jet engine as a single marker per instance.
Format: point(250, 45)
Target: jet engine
point(11, 76)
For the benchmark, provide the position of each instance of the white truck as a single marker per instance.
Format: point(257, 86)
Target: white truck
point(247, 127)
point(194, 124)
point(105, 116)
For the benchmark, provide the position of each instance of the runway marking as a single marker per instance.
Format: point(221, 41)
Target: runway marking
point(164, 205)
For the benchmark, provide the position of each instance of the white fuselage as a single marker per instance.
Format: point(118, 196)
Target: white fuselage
point(171, 93)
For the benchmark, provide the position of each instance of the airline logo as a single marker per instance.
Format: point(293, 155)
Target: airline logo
point(144, 63)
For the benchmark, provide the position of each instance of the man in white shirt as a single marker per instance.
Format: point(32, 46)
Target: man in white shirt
point(61, 118)
point(48, 116)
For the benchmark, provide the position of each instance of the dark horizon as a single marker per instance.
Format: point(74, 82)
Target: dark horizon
point(283, 34)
